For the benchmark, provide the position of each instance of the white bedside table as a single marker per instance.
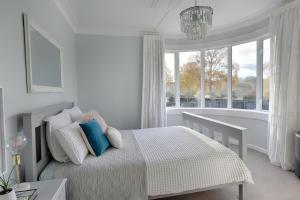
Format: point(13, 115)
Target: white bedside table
point(50, 190)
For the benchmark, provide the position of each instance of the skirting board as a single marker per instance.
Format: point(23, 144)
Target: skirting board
point(259, 149)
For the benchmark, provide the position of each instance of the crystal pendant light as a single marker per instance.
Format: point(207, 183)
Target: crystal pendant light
point(196, 21)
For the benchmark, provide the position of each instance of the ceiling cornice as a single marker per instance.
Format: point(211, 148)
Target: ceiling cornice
point(236, 36)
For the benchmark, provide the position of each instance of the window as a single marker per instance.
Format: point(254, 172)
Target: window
point(266, 74)
point(228, 77)
point(244, 76)
point(170, 79)
point(216, 78)
point(189, 67)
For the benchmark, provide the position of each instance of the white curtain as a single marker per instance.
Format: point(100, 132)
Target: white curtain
point(153, 100)
point(284, 118)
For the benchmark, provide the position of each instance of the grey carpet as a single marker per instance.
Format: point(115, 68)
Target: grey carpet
point(271, 183)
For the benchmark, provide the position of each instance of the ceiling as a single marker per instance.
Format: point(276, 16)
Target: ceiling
point(132, 17)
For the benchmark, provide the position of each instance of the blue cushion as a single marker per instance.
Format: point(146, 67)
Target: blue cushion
point(95, 136)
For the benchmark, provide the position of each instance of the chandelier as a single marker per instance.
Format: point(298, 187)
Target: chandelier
point(196, 21)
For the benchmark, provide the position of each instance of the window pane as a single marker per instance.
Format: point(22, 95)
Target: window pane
point(266, 74)
point(170, 79)
point(189, 63)
point(244, 76)
point(216, 78)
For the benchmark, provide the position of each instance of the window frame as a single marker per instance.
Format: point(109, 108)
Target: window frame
point(262, 73)
point(259, 72)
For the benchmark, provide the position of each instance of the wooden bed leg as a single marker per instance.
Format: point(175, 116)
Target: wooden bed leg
point(241, 192)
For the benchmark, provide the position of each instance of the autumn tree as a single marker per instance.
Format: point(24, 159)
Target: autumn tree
point(190, 79)
point(216, 69)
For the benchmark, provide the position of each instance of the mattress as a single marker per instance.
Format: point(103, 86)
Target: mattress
point(177, 159)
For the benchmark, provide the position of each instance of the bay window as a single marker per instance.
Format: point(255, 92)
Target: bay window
point(230, 77)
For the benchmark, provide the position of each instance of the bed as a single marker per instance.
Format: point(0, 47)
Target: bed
point(159, 162)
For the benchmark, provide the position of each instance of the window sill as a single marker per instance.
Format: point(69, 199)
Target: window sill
point(251, 114)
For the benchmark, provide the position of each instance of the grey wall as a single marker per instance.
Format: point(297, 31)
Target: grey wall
point(110, 78)
point(12, 60)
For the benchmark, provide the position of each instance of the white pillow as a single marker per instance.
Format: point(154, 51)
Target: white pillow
point(71, 141)
point(86, 141)
point(115, 138)
point(56, 122)
point(74, 113)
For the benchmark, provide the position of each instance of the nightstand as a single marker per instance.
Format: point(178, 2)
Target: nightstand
point(50, 189)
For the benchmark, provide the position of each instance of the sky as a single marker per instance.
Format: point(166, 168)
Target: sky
point(244, 55)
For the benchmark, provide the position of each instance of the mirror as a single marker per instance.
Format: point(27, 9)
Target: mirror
point(43, 59)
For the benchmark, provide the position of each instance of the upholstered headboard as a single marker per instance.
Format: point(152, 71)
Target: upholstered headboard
point(35, 155)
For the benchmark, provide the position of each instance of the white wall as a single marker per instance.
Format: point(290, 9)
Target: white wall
point(255, 121)
point(12, 59)
point(110, 78)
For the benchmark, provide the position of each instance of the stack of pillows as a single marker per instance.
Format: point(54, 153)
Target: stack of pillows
point(71, 135)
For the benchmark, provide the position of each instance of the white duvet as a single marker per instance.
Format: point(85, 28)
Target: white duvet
point(177, 159)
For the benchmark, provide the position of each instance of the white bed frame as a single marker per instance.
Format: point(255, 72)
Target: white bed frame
point(36, 155)
point(200, 123)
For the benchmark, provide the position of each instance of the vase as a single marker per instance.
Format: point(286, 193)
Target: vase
point(9, 196)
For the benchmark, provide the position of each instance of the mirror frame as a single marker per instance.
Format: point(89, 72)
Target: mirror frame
point(31, 88)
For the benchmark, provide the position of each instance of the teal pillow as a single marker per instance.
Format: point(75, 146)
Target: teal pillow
point(95, 136)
